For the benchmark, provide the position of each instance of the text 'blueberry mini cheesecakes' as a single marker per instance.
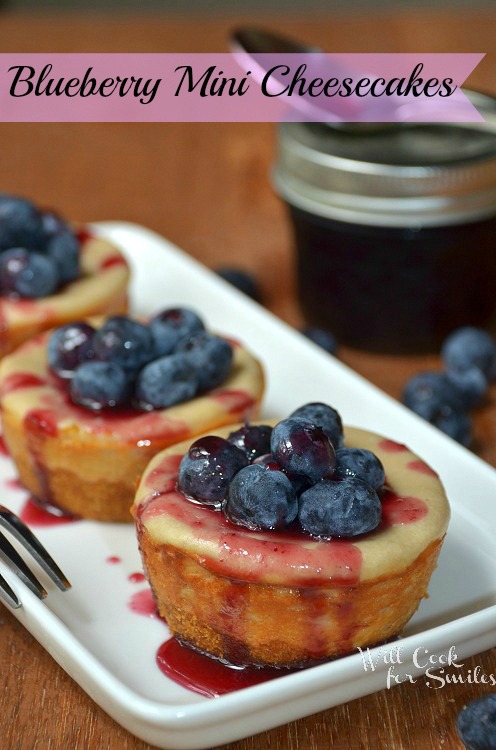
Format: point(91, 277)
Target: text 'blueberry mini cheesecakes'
point(84, 408)
point(287, 545)
point(51, 273)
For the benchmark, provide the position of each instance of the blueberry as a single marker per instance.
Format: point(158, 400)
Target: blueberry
point(438, 399)
point(430, 394)
point(470, 347)
point(208, 467)
point(471, 385)
point(12, 263)
point(268, 461)
point(97, 385)
point(210, 355)
point(457, 425)
point(20, 224)
point(361, 463)
point(322, 338)
point(40, 277)
point(299, 482)
point(477, 723)
point(242, 280)
point(303, 448)
point(69, 346)
point(125, 342)
point(27, 274)
point(346, 508)
point(253, 440)
point(165, 382)
point(261, 499)
point(52, 224)
point(323, 416)
point(169, 327)
point(64, 248)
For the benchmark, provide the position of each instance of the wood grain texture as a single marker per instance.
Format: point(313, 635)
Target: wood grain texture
point(207, 188)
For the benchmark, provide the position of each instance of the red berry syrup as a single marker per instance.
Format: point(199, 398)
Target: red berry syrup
point(207, 676)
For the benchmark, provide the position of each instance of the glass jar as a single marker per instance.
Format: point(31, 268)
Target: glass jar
point(394, 226)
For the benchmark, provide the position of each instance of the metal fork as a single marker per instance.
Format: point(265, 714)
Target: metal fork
point(11, 557)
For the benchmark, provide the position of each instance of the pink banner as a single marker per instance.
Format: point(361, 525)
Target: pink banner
point(227, 87)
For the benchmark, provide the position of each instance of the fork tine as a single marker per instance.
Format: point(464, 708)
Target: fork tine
point(11, 557)
point(7, 594)
point(25, 536)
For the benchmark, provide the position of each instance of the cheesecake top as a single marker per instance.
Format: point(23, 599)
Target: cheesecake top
point(34, 396)
point(415, 513)
point(104, 275)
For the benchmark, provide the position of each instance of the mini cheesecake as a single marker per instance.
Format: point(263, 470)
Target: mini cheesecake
point(285, 598)
point(87, 463)
point(100, 289)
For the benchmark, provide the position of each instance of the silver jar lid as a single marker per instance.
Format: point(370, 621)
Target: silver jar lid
point(407, 175)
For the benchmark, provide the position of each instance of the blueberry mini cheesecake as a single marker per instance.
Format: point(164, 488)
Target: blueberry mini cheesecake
point(86, 406)
point(290, 543)
point(51, 273)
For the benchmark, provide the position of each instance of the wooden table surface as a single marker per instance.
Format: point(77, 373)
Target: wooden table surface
point(206, 188)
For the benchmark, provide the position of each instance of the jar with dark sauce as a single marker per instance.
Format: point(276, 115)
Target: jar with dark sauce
point(394, 227)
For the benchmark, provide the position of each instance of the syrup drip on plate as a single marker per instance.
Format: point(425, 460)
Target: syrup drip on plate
point(136, 578)
point(34, 514)
point(143, 603)
point(207, 676)
point(14, 484)
point(4, 451)
point(195, 671)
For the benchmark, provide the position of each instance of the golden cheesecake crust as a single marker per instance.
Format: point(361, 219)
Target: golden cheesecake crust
point(285, 626)
point(288, 599)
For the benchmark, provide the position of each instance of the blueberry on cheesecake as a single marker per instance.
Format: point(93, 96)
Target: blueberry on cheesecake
point(52, 273)
point(290, 542)
point(86, 406)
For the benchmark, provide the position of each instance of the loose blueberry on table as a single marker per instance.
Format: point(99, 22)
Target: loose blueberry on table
point(477, 723)
point(445, 397)
point(146, 366)
point(39, 252)
point(470, 347)
point(291, 476)
point(322, 338)
point(241, 280)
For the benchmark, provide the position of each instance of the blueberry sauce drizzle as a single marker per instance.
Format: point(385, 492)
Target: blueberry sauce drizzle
point(399, 511)
point(207, 676)
point(35, 514)
point(136, 578)
point(4, 451)
point(422, 468)
point(143, 603)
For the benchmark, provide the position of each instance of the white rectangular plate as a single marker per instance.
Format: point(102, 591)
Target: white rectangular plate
point(110, 650)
